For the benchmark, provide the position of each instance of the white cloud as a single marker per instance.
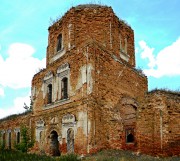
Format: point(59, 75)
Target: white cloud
point(16, 108)
point(166, 63)
point(18, 69)
point(147, 52)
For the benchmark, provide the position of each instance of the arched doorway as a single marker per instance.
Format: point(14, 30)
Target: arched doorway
point(54, 144)
point(70, 140)
point(128, 112)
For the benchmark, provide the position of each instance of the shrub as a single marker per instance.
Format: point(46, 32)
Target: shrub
point(26, 141)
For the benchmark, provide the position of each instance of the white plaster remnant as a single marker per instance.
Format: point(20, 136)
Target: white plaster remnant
point(125, 46)
point(123, 50)
point(82, 122)
point(3, 131)
point(54, 120)
point(43, 89)
point(85, 76)
point(120, 42)
point(55, 89)
point(39, 133)
point(69, 35)
point(48, 76)
point(89, 79)
point(62, 72)
point(58, 55)
point(63, 68)
point(16, 130)
point(68, 121)
point(39, 129)
point(33, 92)
point(69, 118)
point(124, 56)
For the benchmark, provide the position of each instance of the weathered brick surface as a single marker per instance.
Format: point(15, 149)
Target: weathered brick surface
point(158, 127)
point(107, 105)
point(12, 126)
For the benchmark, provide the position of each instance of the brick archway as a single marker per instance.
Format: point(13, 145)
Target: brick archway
point(128, 112)
point(54, 144)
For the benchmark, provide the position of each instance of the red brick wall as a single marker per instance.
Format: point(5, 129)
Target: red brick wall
point(158, 129)
point(107, 96)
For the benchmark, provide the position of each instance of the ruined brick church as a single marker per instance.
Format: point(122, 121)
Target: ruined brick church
point(91, 96)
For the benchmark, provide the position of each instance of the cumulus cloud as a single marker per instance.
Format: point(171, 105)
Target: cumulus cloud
point(16, 108)
point(166, 63)
point(18, 69)
point(147, 52)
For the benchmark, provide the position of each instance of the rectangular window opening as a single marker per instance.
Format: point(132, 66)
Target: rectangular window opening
point(59, 42)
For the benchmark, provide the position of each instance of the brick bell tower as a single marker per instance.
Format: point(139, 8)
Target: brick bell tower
point(86, 98)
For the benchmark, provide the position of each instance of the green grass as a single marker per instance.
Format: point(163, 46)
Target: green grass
point(19, 156)
point(120, 155)
point(105, 155)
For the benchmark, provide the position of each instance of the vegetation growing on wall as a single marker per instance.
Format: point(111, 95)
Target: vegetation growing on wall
point(26, 141)
point(165, 90)
point(2, 144)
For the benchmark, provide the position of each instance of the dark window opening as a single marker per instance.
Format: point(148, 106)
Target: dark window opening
point(59, 42)
point(9, 146)
point(4, 140)
point(64, 88)
point(49, 93)
point(129, 136)
point(18, 137)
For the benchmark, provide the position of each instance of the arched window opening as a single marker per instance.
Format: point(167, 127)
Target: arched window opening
point(4, 140)
point(49, 93)
point(9, 140)
point(40, 137)
point(70, 140)
point(64, 88)
point(18, 137)
point(129, 136)
point(59, 42)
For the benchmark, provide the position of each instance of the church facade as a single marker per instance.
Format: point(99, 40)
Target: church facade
point(90, 96)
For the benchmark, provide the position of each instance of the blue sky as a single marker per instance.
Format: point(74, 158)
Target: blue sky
point(24, 35)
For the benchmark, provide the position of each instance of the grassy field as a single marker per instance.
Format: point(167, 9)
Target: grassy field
point(110, 155)
point(118, 155)
point(19, 156)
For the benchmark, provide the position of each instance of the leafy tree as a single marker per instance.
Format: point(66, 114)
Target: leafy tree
point(26, 141)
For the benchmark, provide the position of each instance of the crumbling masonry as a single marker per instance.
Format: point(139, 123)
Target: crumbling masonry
point(91, 97)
